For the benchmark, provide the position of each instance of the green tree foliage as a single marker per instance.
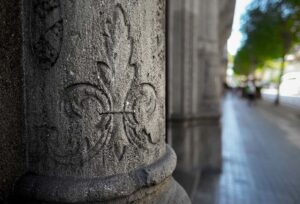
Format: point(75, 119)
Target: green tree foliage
point(271, 28)
point(242, 61)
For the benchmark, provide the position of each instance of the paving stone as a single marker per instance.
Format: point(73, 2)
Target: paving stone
point(261, 157)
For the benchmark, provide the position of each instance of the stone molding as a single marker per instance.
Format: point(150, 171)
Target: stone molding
point(55, 189)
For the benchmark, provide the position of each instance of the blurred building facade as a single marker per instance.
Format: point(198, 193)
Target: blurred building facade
point(197, 61)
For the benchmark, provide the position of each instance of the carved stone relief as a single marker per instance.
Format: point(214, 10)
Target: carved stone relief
point(94, 88)
point(113, 113)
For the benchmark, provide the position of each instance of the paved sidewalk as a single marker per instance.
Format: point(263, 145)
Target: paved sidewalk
point(291, 101)
point(261, 151)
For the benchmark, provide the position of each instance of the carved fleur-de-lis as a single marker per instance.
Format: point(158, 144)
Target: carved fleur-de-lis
point(116, 113)
point(118, 73)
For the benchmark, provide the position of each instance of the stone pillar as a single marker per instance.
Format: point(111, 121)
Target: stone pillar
point(208, 108)
point(182, 60)
point(214, 33)
point(197, 35)
point(215, 21)
point(95, 103)
point(226, 13)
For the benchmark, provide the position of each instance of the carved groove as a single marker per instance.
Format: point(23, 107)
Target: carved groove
point(79, 101)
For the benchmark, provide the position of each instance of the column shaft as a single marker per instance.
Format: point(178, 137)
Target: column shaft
point(95, 103)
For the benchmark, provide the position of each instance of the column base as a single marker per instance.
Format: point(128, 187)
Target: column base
point(150, 184)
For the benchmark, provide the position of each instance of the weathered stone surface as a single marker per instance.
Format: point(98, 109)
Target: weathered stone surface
point(11, 97)
point(94, 86)
point(95, 103)
point(168, 192)
point(57, 189)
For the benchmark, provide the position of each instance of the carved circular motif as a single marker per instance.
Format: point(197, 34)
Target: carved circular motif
point(88, 124)
point(142, 101)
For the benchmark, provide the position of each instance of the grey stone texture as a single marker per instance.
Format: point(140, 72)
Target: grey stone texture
point(95, 103)
point(12, 148)
point(94, 86)
point(198, 30)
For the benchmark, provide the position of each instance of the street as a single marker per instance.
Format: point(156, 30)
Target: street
point(261, 156)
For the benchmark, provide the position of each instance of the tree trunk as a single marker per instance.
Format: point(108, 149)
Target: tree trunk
point(282, 67)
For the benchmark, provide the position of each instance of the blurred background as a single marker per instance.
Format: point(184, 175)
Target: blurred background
point(234, 99)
